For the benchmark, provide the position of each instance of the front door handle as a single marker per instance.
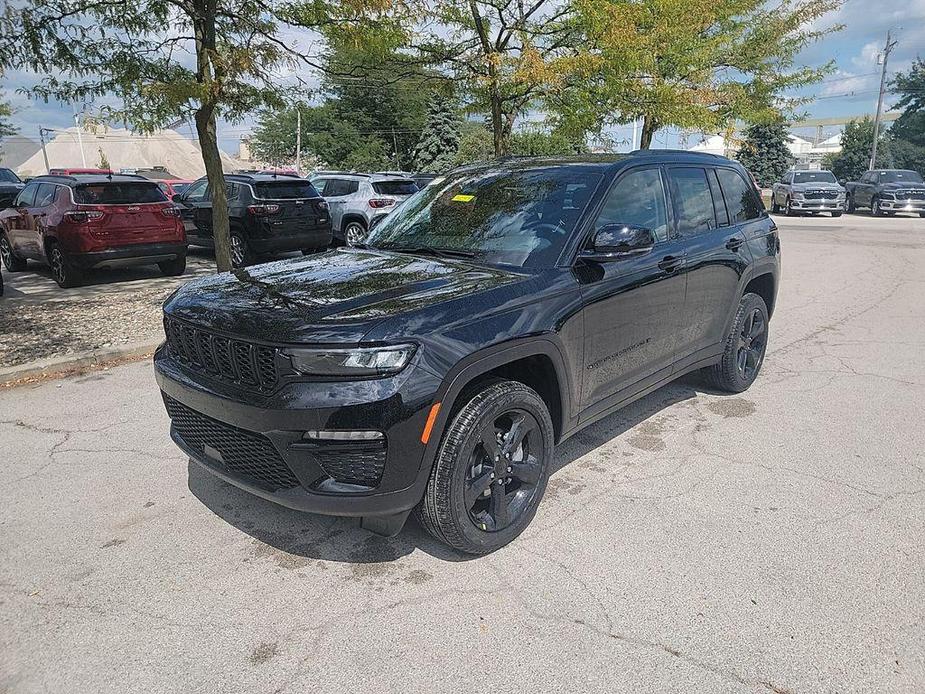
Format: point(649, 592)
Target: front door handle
point(734, 244)
point(670, 263)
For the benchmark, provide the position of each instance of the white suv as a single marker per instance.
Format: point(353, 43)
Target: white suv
point(358, 201)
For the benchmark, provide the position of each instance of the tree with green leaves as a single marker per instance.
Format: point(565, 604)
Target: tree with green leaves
point(6, 125)
point(907, 134)
point(439, 143)
point(696, 64)
point(764, 152)
point(141, 54)
point(505, 55)
point(854, 158)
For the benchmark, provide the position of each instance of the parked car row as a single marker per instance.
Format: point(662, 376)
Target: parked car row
point(883, 191)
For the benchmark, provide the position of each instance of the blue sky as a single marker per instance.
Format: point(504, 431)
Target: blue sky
point(851, 90)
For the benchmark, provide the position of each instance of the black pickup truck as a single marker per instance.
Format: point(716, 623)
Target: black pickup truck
point(887, 191)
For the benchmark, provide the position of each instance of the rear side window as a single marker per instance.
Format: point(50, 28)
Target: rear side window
point(45, 194)
point(26, 197)
point(693, 201)
point(741, 200)
point(285, 190)
point(336, 187)
point(638, 199)
point(395, 187)
point(118, 193)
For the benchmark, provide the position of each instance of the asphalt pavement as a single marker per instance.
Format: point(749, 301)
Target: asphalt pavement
point(694, 542)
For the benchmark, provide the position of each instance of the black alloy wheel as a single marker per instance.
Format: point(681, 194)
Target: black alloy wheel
point(491, 469)
point(753, 340)
point(745, 348)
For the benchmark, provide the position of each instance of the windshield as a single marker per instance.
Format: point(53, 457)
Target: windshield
point(395, 187)
point(285, 190)
point(118, 193)
point(7, 176)
point(520, 218)
point(814, 177)
point(900, 177)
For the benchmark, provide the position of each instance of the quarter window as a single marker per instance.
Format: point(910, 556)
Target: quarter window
point(692, 200)
point(741, 200)
point(338, 187)
point(638, 199)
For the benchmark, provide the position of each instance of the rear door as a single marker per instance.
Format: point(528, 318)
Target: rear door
point(132, 212)
point(717, 253)
point(632, 305)
point(34, 238)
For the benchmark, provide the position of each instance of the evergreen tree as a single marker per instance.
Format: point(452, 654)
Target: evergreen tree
point(439, 143)
point(854, 158)
point(765, 153)
point(907, 136)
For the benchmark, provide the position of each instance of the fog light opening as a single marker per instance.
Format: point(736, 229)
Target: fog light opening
point(343, 435)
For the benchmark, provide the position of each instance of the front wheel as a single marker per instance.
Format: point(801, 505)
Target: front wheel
point(745, 348)
point(491, 469)
point(875, 208)
point(788, 210)
point(836, 214)
point(775, 208)
point(851, 209)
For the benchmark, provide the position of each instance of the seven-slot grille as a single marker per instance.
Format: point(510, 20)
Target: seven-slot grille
point(229, 360)
point(820, 194)
point(244, 453)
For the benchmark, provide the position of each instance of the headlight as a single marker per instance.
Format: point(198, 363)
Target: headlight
point(797, 195)
point(888, 194)
point(359, 361)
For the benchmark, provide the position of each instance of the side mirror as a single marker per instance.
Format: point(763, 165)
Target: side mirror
point(842, 182)
point(615, 241)
point(177, 197)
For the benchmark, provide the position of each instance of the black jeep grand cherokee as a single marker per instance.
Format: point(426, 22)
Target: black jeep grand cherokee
point(495, 313)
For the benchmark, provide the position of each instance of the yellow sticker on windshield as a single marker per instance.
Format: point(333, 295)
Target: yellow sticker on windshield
point(463, 198)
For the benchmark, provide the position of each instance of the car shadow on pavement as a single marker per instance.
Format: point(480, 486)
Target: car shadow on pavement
point(293, 538)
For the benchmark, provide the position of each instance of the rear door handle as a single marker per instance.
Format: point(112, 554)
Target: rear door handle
point(734, 244)
point(670, 263)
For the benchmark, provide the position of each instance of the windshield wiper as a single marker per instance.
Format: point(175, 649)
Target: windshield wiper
point(433, 250)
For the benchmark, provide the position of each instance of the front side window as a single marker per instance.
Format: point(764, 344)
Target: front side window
point(515, 217)
point(741, 200)
point(197, 191)
point(638, 199)
point(26, 197)
point(692, 200)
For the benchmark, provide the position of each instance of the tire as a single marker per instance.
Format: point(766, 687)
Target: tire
point(742, 358)
point(12, 261)
point(241, 254)
point(775, 208)
point(788, 212)
point(354, 232)
point(66, 275)
point(173, 268)
point(922, 215)
point(850, 208)
point(875, 207)
point(836, 215)
point(465, 467)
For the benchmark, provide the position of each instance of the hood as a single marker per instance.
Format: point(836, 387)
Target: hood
point(335, 297)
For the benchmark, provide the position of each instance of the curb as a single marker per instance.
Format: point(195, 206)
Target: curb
point(75, 364)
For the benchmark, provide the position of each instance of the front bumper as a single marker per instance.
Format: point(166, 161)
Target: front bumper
point(817, 205)
point(902, 205)
point(123, 256)
point(257, 441)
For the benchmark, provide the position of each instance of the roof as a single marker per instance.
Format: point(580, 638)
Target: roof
point(74, 179)
point(260, 177)
point(378, 176)
point(602, 163)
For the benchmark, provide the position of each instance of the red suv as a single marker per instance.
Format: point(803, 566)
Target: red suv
point(83, 222)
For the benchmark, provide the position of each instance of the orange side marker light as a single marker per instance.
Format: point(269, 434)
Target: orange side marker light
point(429, 425)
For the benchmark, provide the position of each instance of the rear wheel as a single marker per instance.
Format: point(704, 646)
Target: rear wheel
point(746, 345)
point(174, 267)
point(241, 254)
point(354, 233)
point(12, 261)
point(64, 272)
point(491, 469)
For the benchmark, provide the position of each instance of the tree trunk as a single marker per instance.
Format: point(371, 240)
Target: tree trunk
point(497, 119)
point(208, 143)
point(649, 126)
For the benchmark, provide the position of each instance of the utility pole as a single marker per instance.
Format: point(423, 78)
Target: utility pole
point(80, 140)
point(298, 140)
point(44, 153)
point(887, 49)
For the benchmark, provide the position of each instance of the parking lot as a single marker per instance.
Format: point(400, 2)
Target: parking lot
point(694, 542)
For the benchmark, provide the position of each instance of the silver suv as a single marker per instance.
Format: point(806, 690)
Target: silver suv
point(358, 201)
